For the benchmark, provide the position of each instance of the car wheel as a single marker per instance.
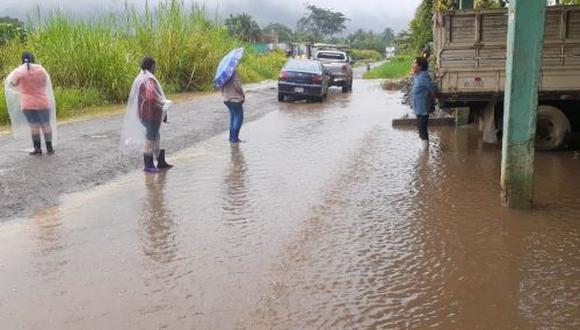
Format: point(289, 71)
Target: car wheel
point(350, 86)
point(281, 97)
point(553, 128)
point(345, 88)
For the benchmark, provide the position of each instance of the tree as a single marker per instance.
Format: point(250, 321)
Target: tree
point(421, 27)
point(243, 26)
point(361, 39)
point(403, 42)
point(322, 22)
point(284, 32)
point(388, 36)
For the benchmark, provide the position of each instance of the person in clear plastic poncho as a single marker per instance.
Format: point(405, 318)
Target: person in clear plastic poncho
point(146, 110)
point(31, 104)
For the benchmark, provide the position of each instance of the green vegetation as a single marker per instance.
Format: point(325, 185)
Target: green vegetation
point(398, 68)
point(361, 39)
point(93, 62)
point(258, 67)
point(366, 55)
point(11, 28)
point(318, 25)
point(421, 27)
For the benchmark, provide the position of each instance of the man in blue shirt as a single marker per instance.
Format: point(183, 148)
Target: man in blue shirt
point(423, 97)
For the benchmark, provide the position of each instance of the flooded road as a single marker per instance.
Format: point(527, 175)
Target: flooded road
point(326, 219)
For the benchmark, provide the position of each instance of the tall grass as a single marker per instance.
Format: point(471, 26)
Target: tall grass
point(397, 68)
point(94, 61)
point(366, 55)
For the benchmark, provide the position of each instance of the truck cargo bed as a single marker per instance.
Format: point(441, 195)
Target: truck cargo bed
point(471, 54)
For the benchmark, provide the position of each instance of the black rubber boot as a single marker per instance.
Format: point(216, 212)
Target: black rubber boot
point(149, 166)
point(36, 143)
point(161, 163)
point(49, 148)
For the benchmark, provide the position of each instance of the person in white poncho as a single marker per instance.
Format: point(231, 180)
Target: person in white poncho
point(31, 104)
point(146, 110)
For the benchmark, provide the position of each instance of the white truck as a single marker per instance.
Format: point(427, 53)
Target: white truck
point(470, 49)
point(339, 66)
point(390, 53)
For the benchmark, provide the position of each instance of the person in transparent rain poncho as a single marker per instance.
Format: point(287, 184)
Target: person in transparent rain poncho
point(31, 104)
point(146, 110)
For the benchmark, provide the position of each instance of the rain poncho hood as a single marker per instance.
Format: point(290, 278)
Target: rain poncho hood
point(13, 90)
point(133, 136)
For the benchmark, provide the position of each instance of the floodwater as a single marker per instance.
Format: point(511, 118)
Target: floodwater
point(327, 218)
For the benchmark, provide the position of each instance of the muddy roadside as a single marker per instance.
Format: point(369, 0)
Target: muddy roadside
point(88, 153)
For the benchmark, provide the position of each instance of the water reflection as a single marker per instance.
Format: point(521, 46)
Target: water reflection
point(49, 242)
point(236, 199)
point(159, 241)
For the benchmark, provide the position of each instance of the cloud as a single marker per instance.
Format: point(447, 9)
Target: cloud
point(366, 14)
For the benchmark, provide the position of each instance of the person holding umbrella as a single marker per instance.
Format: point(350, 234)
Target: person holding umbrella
point(31, 104)
point(146, 110)
point(228, 81)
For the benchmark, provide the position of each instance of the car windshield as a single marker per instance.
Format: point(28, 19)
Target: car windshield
point(331, 56)
point(302, 66)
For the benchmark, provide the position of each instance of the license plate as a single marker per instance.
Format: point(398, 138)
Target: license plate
point(299, 90)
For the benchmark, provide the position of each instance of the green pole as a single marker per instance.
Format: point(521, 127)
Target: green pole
point(465, 4)
point(524, 60)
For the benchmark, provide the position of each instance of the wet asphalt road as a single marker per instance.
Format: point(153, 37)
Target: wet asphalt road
point(88, 152)
point(328, 218)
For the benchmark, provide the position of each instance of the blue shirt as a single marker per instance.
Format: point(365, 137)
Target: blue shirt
point(423, 89)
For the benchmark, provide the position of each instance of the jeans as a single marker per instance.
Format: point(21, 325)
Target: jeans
point(422, 125)
point(236, 119)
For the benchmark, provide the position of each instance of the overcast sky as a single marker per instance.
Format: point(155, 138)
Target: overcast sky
point(366, 14)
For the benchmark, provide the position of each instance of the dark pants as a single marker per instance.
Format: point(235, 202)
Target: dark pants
point(236, 119)
point(39, 120)
point(423, 124)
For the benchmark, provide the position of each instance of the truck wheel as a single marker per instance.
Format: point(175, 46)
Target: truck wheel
point(281, 97)
point(345, 87)
point(553, 128)
point(350, 86)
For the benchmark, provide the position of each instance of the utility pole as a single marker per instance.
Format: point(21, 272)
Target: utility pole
point(524, 60)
